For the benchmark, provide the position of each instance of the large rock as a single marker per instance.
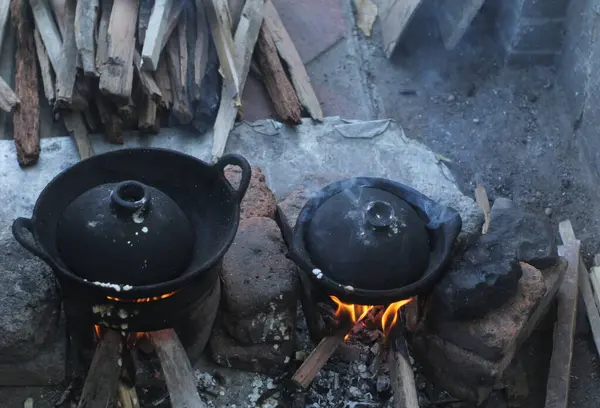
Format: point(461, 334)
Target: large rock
point(260, 285)
point(468, 358)
point(487, 274)
point(259, 200)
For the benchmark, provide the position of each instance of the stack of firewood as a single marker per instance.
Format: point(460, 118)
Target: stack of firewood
point(114, 65)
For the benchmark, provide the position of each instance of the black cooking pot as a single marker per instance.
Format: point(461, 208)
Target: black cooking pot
point(373, 241)
point(171, 216)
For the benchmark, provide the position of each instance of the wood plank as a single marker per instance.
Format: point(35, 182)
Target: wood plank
point(116, 77)
point(154, 34)
point(172, 21)
point(200, 49)
point(147, 81)
point(143, 19)
point(182, 29)
point(58, 9)
point(147, 119)
point(4, 12)
point(182, 109)
point(26, 118)
point(8, 99)
point(309, 369)
point(591, 301)
point(402, 375)
point(67, 70)
point(163, 80)
point(112, 123)
point(394, 16)
point(245, 40)
point(179, 375)
point(103, 376)
point(75, 125)
point(280, 88)
point(289, 54)
point(86, 18)
point(45, 68)
point(219, 20)
point(44, 22)
point(102, 34)
point(559, 374)
point(128, 397)
point(454, 18)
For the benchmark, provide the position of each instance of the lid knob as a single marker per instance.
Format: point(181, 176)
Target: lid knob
point(130, 196)
point(379, 214)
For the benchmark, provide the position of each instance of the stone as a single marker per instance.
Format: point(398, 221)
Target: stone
point(468, 358)
point(263, 358)
point(260, 285)
point(259, 200)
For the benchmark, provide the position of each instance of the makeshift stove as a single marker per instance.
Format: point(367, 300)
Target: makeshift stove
point(136, 253)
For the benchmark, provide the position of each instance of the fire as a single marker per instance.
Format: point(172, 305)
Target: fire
point(131, 339)
point(356, 313)
point(143, 300)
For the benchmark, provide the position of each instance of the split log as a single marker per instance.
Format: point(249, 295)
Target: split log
point(147, 119)
point(86, 17)
point(394, 16)
point(559, 374)
point(8, 99)
point(103, 376)
point(163, 80)
point(200, 51)
point(116, 77)
point(67, 69)
point(113, 125)
point(401, 372)
point(102, 34)
point(289, 54)
point(45, 68)
point(147, 81)
point(172, 20)
point(91, 120)
point(219, 20)
point(279, 87)
point(591, 299)
point(182, 29)
point(454, 19)
point(144, 13)
point(181, 109)
point(4, 11)
point(176, 366)
point(128, 397)
point(245, 40)
point(58, 9)
point(154, 34)
point(44, 22)
point(26, 118)
point(128, 114)
point(483, 201)
point(75, 125)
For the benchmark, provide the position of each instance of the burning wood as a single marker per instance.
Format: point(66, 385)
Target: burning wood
point(401, 372)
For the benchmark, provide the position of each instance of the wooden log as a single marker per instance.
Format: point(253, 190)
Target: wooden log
point(86, 18)
point(75, 125)
point(8, 99)
point(67, 69)
point(559, 374)
point(275, 78)
point(154, 34)
point(44, 22)
point(182, 29)
point(113, 125)
point(173, 19)
point(91, 120)
point(58, 9)
point(289, 54)
point(200, 49)
point(4, 11)
point(128, 397)
point(219, 20)
point(144, 13)
point(484, 204)
point(103, 376)
point(163, 80)
point(116, 76)
point(146, 80)
point(26, 118)
point(102, 34)
point(147, 119)
point(591, 299)
point(394, 16)
point(245, 40)
point(45, 68)
point(177, 369)
point(454, 18)
point(181, 109)
point(401, 373)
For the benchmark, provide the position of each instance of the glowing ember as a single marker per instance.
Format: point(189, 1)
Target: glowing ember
point(142, 300)
point(357, 313)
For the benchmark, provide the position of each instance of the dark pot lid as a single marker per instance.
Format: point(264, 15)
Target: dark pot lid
point(125, 233)
point(368, 238)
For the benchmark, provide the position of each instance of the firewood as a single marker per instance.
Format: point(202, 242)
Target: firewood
point(45, 68)
point(591, 299)
point(44, 22)
point(219, 20)
point(128, 397)
point(147, 119)
point(183, 50)
point(172, 20)
point(276, 81)
point(76, 127)
point(4, 11)
point(200, 50)
point(235, 11)
point(8, 99)
point(102, 34)
point(144, 13)
point(181, 106)
point(128, 114)
point(163, 80)
point(26, 118)
point(482, 200)
point(245, 40)
point(147, 81)
point(113, 125)
point(67, 69)
point(58, 9)
point(116, 77)
point(91, 120)
point(177, 369)
point(289, 54)
point(154, 34)
point(86, 17)
point(401, 374)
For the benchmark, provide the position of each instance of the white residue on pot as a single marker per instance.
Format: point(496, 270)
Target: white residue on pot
point(120, 362)
point(127, 287)
point(124, 326)
point(102, 310)
point(123, 314)
point(145, 230)
point(316, 271)
point(138, 216)
point(349, 288)
point(92, 224)
point(108, 285)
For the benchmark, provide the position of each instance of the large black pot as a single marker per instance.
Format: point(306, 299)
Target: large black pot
point(195, 194)
point(373, 241)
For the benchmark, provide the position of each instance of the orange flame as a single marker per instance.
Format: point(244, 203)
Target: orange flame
point(143, 300)
point(351, 311)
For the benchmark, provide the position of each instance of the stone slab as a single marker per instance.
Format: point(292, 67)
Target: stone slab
point(454, 19)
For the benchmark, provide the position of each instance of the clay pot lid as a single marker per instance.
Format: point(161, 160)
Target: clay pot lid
point(125, 233)
point(368, 238)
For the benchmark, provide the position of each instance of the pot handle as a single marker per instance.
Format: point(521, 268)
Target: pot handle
point(237, 160)
point(18, 226)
